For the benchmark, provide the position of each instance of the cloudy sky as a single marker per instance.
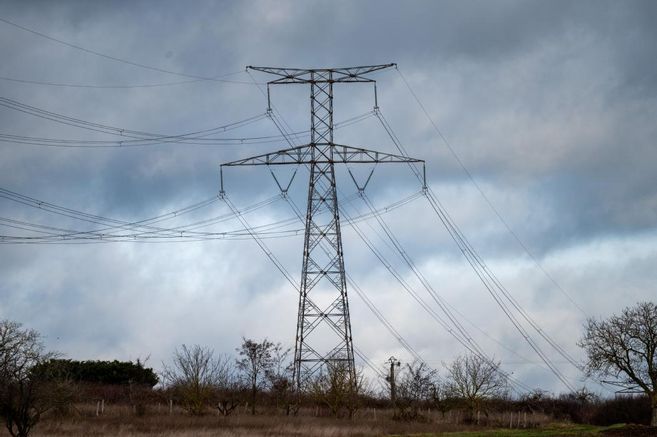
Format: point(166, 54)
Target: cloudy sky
point(549, 106)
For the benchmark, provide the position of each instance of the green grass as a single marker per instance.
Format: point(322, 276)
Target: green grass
point(548, 431)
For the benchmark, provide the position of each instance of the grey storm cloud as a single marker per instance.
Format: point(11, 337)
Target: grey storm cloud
point(550, 106)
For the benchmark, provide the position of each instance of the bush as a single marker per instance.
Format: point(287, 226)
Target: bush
point(102, 372)
point(623, 409)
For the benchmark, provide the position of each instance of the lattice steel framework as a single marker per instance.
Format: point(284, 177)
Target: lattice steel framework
point(323, 260)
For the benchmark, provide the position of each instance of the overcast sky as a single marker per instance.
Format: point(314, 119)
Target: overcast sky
point(550, 107)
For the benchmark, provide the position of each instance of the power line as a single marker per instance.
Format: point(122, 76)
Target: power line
point(135, 138)
point(143, 230)
point(459, 334)
point(115, 87)
point(114, 58)
point(488, 279)
point(118, 131)
point(188, 139)
point(494, 279)
point(442, 303)
point(483, 194)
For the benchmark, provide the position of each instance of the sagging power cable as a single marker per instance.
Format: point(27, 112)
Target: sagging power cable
point(486, 199)
point(117, 59)
point(135, 138)
point(487, 278)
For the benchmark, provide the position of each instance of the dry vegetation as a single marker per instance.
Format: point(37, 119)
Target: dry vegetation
point(122, 420)
point(203, 394)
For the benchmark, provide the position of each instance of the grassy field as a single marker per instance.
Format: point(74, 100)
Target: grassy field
point(277, 426)
point(121, 421)
point(552, 430)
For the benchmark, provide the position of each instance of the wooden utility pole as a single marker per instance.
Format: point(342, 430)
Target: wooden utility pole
point(391, 379)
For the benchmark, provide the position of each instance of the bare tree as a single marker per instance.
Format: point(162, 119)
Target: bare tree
point(338, 388)
point(417, 386)
point(195, 374)
point(25, 395)
point(474, 378)
point(624, 348)
point(535, 399)
point(279, 376)
point(257, 359)
point(441, 397)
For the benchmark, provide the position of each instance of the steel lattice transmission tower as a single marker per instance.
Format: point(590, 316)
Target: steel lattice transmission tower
point(323, 326)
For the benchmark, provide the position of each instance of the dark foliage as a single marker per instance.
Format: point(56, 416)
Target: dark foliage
point(102, 372)
point(625, 409)
point(581, 407)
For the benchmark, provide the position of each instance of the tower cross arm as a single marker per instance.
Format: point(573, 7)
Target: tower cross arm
point(322, 153)
point(315, 75)
point(348, 154)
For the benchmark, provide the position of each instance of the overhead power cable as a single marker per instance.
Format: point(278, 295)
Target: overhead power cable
point(487, 200)
point(137, 230)
point(276, 117)
point(113, 130)
point(412, 266)
point(449, 222)
point(449, 306)
point(73, 85)
point(117, 59)
point(188, 139)
point(135, 138)
point(114, 230)
point(460, 335)
point(488, 279)
point(491, 282)
point(457, 330)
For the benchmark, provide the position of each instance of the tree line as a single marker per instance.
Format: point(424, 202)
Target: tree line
point(96, 371)
point(34, 381)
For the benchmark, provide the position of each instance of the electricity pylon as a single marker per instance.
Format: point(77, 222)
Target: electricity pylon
point(323, 260)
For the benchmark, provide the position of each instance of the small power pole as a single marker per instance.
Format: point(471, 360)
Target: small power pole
point(391, 379)
point(323, 323)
